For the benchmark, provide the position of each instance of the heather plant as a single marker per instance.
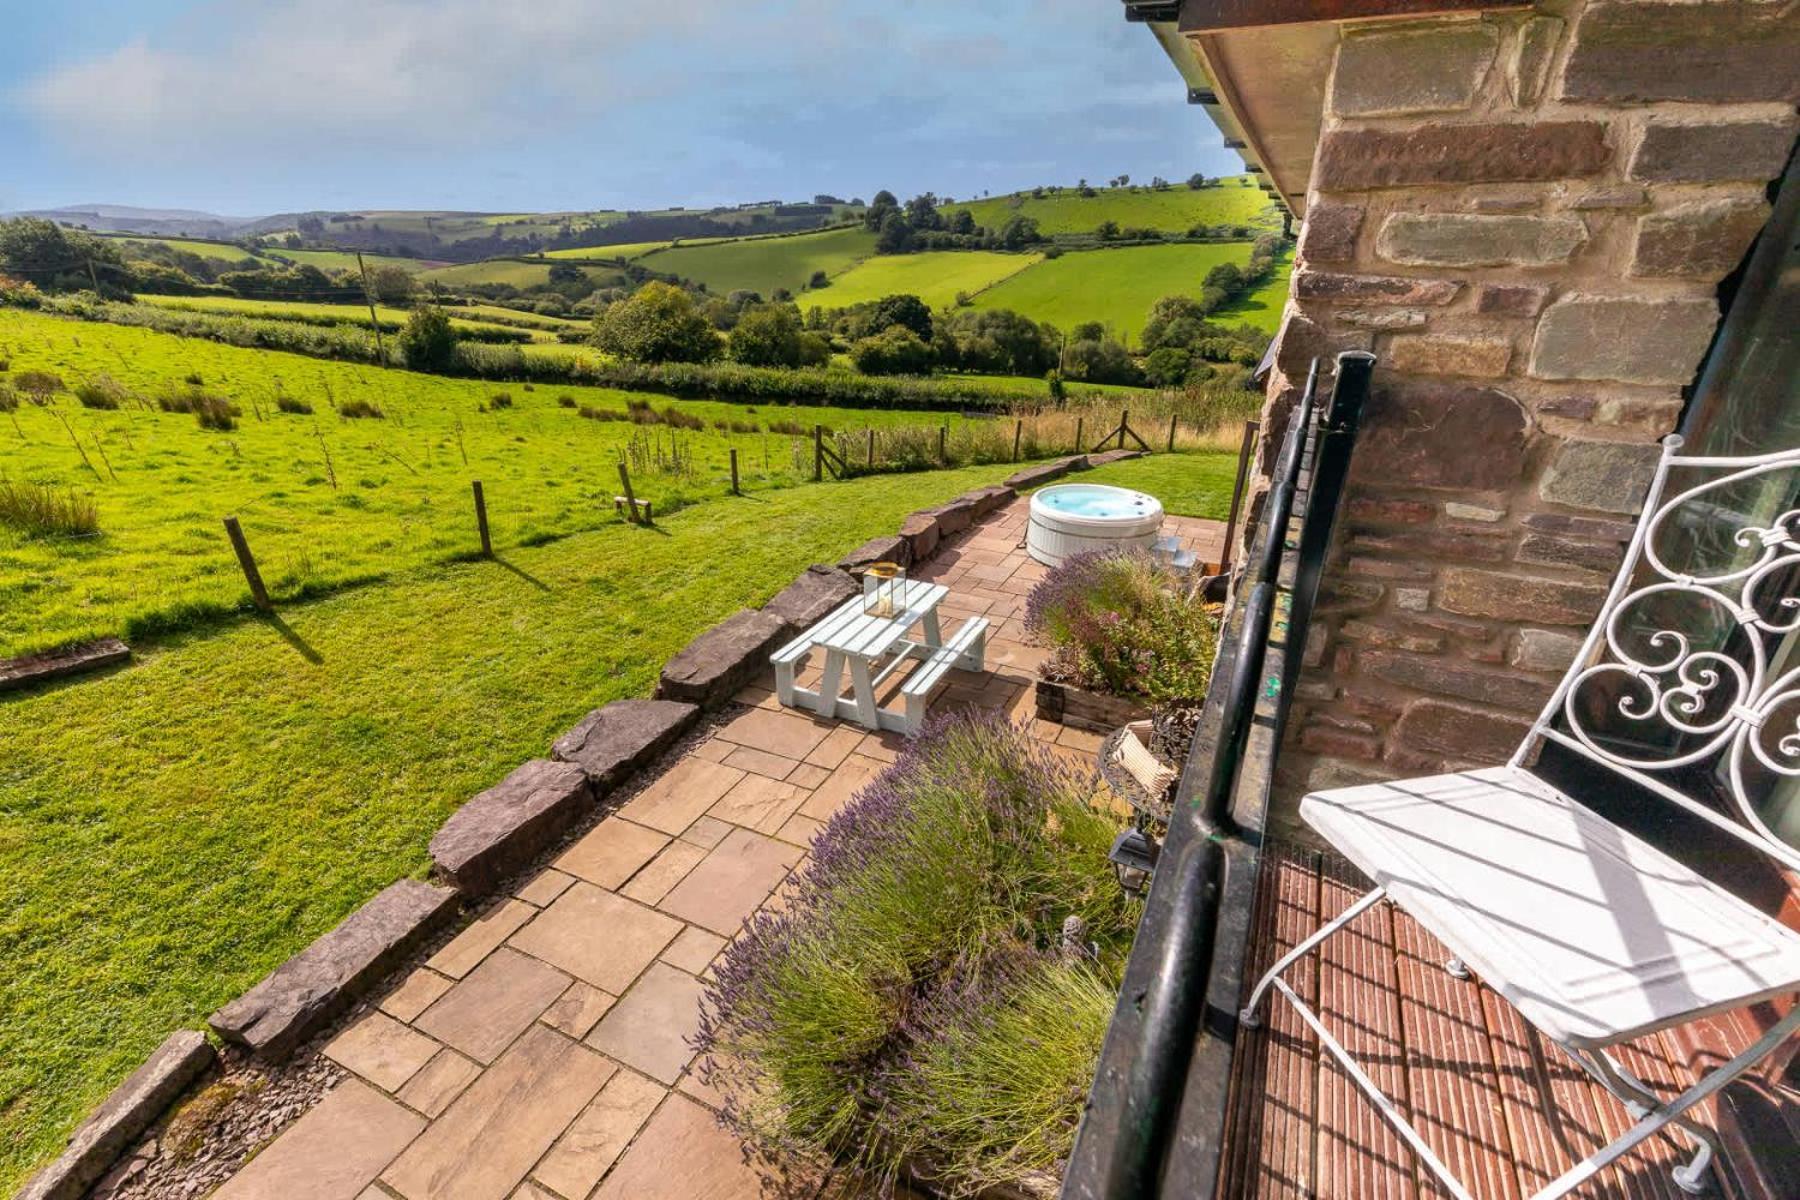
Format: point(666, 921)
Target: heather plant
point(1118, 622)
point(972, 850)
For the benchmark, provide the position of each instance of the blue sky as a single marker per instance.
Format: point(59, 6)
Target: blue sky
point(500, 105)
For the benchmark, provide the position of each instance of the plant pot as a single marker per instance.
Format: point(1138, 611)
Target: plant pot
point(1099, 712)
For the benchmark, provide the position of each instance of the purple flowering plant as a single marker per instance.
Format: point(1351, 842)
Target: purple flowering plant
point(926, 919)
point(1116, 621)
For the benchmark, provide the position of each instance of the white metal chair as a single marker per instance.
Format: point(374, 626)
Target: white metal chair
point(1594, 935)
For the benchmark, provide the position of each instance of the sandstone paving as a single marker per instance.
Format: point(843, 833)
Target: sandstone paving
point(543, 1053)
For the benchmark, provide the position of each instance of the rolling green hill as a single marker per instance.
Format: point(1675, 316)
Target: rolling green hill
point(935, 276)
point(1115, 287)
point(765, 264)
point(1235, 201)
point(521, 273)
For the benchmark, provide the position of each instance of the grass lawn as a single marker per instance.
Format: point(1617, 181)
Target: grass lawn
point(934, 276)
point(1115, 287)
point(1190, 483)
point(171, 831)
point(766, 263)
point(402, 484)
point(1262, 307)
point(1236, 201)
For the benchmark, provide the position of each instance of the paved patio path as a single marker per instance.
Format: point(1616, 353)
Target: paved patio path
point(543, 1053)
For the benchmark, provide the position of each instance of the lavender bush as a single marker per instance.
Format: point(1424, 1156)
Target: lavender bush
point(826, 1022)
point(1117, 622)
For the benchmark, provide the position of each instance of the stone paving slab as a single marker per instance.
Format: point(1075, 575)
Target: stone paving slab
point(542, 1053)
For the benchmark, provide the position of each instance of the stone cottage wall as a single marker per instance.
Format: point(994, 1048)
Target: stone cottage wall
point(1525, 215)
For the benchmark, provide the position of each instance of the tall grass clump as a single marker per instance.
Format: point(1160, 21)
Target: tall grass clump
point(101, 392)
point(9, 399)
point(360, 409)
point(45, 510)
point(210, 410)
point(293, 404)
point(931, 917)
point(1116, 621)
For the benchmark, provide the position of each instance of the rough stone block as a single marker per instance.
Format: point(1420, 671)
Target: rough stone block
point(1610, 199)
point(1710, 53)
point(1544, 550)
point(1329, 235)
point(1417, 71)
point(1606, 476)
point(1462, 681)
point(880, 549)
point(1510, 299)
point(1701, 240)
point(1544, 650)
point(1481, 357)
point(712, 668)
point(988, 499)
point(1617, 532)
point(304, 993)
point(31, 669)
point(1113, 456)
point(1442, 239)
point(1331, 288)
point(1528, 68)
point(1459, 733)
point(1441, 154)
point(1418, 435)
point(954, 517)
point(505, 827)
point(1713, 152)
point(616, 739)
point(1381, 318)
point(1510, 596)
point(922, 533)
point(1633, 341)
point(816, 591)
point(132, 1107)
point(1303, 339)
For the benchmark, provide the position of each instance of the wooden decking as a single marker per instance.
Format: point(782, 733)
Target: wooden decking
point(1500, 1105)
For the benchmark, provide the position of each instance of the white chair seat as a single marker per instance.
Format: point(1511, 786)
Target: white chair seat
point(1594, 935)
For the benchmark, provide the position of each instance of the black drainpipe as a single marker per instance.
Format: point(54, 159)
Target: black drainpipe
point(1119, 1154)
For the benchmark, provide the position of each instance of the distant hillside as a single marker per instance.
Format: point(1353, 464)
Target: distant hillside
point(122, 218)
point(1234, 200)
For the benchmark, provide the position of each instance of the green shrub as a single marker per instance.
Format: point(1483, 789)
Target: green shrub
point(102, 392)
point(500, 400)
point(657, 323)
point(1118, 622)
point(895, 351)
point(291, 404)
point(767, 335)
point(428, 343)
point(46, 510)
point(214, 412)
point(359, 409)
point(38, 386)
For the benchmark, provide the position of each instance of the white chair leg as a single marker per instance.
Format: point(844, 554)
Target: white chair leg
point(915, 714)
point(1640, 1100)
point(1248, 1013)
point(975, 657)
point(1457, 968)
point(784, 684)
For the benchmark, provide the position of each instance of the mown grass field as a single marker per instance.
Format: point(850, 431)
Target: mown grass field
point(217, 251)
point(934, 276)
point(622, 250)
point(1190, 483)
point(1115, 287)
point(171, 831)
point(520, 273)
point(337, 314)
point(1236, 201)
point(343, 260)
point(764, 264)
point(162, 484)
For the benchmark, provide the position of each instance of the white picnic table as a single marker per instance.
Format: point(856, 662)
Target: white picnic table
point(870, 647)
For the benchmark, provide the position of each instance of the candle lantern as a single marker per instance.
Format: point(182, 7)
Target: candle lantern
point(884, 589)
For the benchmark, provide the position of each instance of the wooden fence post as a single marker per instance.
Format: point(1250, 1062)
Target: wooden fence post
point(943, 438)
point(631, 509)
point(259, 595)
point(1237, 492)
point(1018, 432)
point(871, 447)
point(818, 453)
point(734, 475)
point(1171, 435)
point(1124, 424)
point(1078, 435)
point(487, 545)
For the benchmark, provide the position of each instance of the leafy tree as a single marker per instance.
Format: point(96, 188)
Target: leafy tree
point(1087, 331)
point(819, 280)
point(815, 350)
point(767, 335)
point(1107, 230)
point(1227, 277)
point(1196, 181)
point(962, 221)
point(1167, 367)
point(428, 343)
point(566, 272)
point(52, 257)
point(1019, 232)
point(997, 339)
point(922, 213)
point(657, 323)
point(896, 235)
point(903, 309)
point(876, 215)
point(895, 351)
point(1099, 361)
point(392, 285)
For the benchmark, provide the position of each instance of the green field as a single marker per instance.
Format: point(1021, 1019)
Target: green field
point(764, 264)
point(622, 250)
point(519, 273)
point(1236, 201)
point(1263, 306)
point(307, 310)
point(344, 260)
point(402, 494)
point(172, 831)
point(217, 251)
point(934, 276)
point(1115, 287)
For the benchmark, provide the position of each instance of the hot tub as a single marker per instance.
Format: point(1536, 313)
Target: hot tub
point(1075, 518)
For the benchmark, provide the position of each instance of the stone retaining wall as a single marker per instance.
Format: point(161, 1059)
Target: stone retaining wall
point(1525, 215)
